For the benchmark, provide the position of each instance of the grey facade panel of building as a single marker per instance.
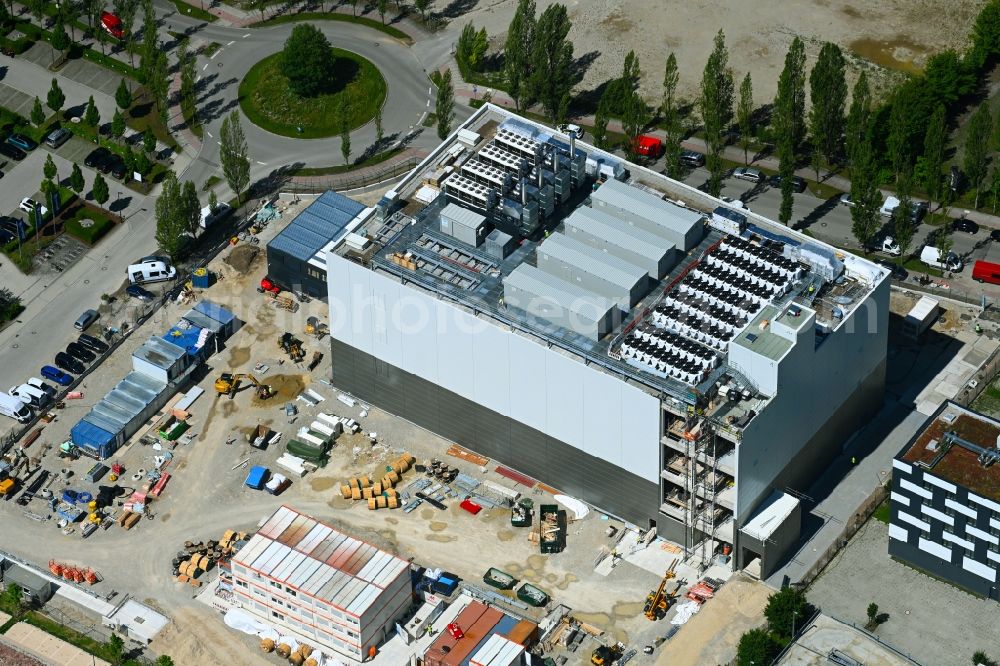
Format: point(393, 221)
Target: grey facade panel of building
point(491, 434)
point(616, 237)
point(680, 226)
point(562, 303)
point(592, 269)
point(292, 273)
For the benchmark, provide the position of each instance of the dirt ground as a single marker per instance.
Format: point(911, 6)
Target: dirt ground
point(711, 636)
point(900, 34)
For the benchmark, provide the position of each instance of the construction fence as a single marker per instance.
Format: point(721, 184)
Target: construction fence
point(351, 180)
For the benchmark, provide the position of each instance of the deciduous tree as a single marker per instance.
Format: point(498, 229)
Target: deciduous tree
point(517, 52)
point(828, 92)
point(716, 104)
point(601, 123)
point(756, 647)
point(37, 114)
point(903, 228)
point(865, 195)
point(784, 608)
point(671, 76)
point(170, 216)
point(421, 6)
point(977, 148)
point(118, 126)
point(123, 96)
point(552, 60)
point(233, 154)
point(382, 6)
point(55, 98)
point(307, 61)
point(933, 157)
point(744, 116)
point(444, 106)
point(76, 182)
point(790, 102)
point(91, 116)
point(49, 168)
point(99, 190)
point(858, 118)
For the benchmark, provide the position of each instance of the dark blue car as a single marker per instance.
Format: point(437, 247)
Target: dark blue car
point(56, 375)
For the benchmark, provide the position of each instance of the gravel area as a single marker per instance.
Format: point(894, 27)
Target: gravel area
point(11, 657)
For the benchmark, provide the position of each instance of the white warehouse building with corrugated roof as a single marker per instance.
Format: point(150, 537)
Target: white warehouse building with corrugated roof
point(324, 586)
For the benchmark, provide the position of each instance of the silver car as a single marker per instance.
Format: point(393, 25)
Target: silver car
point(57, 137)
point(749, 173)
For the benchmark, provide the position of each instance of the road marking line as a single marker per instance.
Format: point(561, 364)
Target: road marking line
point(428, 104)
point(231, 43)
point(209, 134)
point(261, 163)
point(429, 90)
point(420, 122)
point(205, 67)
point(215, 54)
point(246, 35)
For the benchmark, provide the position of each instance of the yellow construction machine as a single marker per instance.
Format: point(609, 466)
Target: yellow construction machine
point(605, 655)
point(228, 385)
point(658, 602)
point(292, 346)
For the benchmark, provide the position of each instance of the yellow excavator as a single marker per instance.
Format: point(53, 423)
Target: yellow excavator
point(658, 602)
point(228, 385)
point(605, 655)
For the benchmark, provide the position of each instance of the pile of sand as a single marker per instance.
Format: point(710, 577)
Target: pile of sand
point(242, 257)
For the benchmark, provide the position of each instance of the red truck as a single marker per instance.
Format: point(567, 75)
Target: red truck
point(648, 146)
point(112, 25)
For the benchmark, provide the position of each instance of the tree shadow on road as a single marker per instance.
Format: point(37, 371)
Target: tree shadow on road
point(274, 181)
point(456, 8)
point(817, 213)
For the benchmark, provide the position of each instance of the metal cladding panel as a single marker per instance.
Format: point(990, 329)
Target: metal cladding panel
point(455, 342)
point(112, 413)
point(358, 559)
point(342, 590)
point(321, 222)
point(640, 433)
point(328, 546)
point(559, 302)
point(646, 210)
point(304, 572)
point(288, 565)
point(140, 364)
point(590, 260)
point(216, 312)
point(366, 597)
point(269, 557)
point(385, 330)
point(287, 535)
point(90, 435)
point(602, 414)
point(390, 572)
point(614, 236)
point(347, 549)
point(491, 369)
point(281, 519)
point(316, 535)
point(124, 401)
point(321, 579)
point(564, 385)
point(251, 550)
point(528, 396)
point(204, 321)
point(373, 566)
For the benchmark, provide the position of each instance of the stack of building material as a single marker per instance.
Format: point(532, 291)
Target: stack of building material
point(379, 494)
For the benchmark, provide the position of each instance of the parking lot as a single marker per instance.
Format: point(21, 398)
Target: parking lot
point(916, 604)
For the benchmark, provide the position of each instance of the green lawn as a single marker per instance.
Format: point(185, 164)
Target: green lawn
point(347, 18)
point(882, 512)
point(267, 101)
point(102, 224)
point(194, 12)
point(988, 401)
point(210, 183)
point(50, 626)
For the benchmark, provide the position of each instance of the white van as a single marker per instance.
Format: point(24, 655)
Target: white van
point(29, 394)
point(889, 206)
point(891, 247)
point(931, 256)
point(14, 408)
point(150, 271)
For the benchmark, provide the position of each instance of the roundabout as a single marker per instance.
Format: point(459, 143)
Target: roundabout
point(267, 100)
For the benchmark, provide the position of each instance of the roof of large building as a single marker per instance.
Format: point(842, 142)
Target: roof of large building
point(316, 559)
point(955, 463)
point(321, 222)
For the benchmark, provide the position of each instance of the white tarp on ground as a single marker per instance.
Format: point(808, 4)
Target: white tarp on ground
point(242, 621)
point(685, 611)
point(578, 508)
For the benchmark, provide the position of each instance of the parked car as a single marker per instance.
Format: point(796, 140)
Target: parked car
point(57, 137)
point(798, 183)
point(13, 226)
point(891, 247)
point(40, 385)
point(933, 257)
point(25, 143)
point(79, 352)
point(56, 375)
point(115, 166)
point(97, 157)
point(6, 237)
point(28, 205)
point(92, 343)
point(135, 291)
point(985, 271)
point(692, 158)
point(568, 128)
point(965, 225)
point(845, 200)
point(749, 173)
point(112, 25)
point(210, 216)
point(66, 362)
point(85, 320)
point(995, 235)
point(12, 152)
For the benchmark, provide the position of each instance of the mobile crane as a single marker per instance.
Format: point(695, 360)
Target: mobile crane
point(658, 602)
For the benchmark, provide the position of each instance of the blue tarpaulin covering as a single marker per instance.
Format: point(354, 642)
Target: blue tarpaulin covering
point(216, 312)
point(255, 479)
point(187, 339)
point(86, 435)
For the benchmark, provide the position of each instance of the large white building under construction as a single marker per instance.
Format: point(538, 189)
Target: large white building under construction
point(611, 332)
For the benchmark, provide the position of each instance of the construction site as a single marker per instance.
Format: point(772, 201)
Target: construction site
point(155, 509)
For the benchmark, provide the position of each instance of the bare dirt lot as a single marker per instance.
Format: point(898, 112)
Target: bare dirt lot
point(900, 34)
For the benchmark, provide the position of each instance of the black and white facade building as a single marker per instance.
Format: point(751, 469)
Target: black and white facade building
point(945, 500)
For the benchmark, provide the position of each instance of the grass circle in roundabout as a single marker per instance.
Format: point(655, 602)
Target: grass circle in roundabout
point(269, 103)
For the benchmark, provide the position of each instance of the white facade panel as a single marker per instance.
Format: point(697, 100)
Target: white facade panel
point(937, 515)
point(916, 522)
point(455, 367)
point(564, 383)
point(979, 569)
point(602, 414)
point(902, 499)
point(491, 364)
point(935, 549)
point(990, 555)
point(940, 483)
point(990, 504)
point(958, 541)
point(977, 533)
point(640, 424)
point(994, 523)
point(386, 324)
point(528, 397)
point(961, 508)
point(415, 314)
point(915, 489)
point(897, 532)
point(900, 465)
